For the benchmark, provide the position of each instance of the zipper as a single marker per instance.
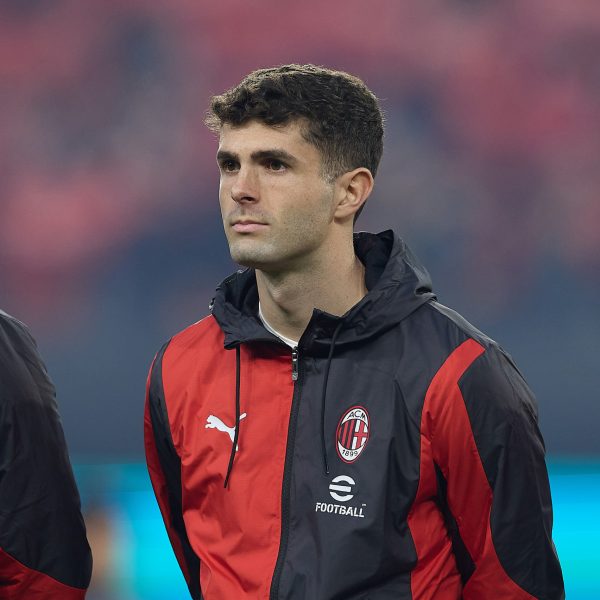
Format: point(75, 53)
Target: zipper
point(287, 469)
point(295, 363)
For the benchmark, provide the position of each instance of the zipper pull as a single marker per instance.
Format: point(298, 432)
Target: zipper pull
point(295, 363)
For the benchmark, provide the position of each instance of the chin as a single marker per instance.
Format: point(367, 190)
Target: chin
point(248, 257)
point(261, 255)
point(260, 260)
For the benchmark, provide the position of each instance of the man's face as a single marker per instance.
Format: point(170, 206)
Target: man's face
point(276, 206)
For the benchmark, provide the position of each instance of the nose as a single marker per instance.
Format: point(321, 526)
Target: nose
point(245, 186)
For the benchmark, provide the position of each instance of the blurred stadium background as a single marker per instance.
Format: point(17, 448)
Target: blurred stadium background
point(110, 237)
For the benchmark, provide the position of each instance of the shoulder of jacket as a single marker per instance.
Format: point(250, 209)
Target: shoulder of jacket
point(456, 321)
point(23, 376)
point(204, 331)
point(494, 364)
point(185, 349)
point(13, 331)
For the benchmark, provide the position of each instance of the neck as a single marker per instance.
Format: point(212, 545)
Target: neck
point(287, 299)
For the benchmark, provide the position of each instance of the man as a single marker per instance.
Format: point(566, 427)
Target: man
point(44, 553)
point(331, 431)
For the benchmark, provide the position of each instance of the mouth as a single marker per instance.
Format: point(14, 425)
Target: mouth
point(247, 226)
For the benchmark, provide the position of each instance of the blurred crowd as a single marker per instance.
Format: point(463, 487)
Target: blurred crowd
point(110, 236)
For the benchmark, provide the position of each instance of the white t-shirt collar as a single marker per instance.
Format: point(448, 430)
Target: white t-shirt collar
point(286, 340)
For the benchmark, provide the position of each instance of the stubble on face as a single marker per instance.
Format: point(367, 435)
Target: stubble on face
point(292, 205)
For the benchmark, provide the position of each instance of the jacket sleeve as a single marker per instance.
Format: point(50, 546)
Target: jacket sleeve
point(164, 468)
point(44, 553)
point(492, 477)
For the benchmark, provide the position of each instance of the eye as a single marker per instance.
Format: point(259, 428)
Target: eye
point(228, 165)
point(273, 164)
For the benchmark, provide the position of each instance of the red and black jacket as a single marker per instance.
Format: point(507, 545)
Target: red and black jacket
point(44, 553)
point(395, 455)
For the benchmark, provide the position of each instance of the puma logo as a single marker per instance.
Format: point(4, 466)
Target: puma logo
point(213, 422)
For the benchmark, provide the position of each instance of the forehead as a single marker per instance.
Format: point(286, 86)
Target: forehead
point(255, 135)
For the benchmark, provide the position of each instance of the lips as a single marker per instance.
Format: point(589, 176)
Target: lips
point(248, 226)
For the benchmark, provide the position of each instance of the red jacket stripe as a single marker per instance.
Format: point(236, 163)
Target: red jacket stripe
point(447, 432)
point(19, 582)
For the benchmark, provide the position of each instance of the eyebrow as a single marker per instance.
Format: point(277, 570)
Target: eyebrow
point(260, 155)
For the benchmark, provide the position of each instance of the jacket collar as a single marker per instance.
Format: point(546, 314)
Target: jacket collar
point(397, 285)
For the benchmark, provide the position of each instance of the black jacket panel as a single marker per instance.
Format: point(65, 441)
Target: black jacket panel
point(41, 526)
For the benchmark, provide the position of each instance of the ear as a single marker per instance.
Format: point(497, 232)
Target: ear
point(352, 190)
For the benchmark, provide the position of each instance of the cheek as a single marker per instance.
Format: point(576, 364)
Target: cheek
point(314, 206)
point(225, 200)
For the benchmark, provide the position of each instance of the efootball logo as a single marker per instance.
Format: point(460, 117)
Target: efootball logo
point(352, 433)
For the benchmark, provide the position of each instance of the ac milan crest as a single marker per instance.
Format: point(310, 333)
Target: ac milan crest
point(352, 434)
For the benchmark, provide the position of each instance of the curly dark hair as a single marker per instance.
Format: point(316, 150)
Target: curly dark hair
point(342, 116)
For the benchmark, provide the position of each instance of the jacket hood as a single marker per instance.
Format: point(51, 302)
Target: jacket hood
point(397, 285)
